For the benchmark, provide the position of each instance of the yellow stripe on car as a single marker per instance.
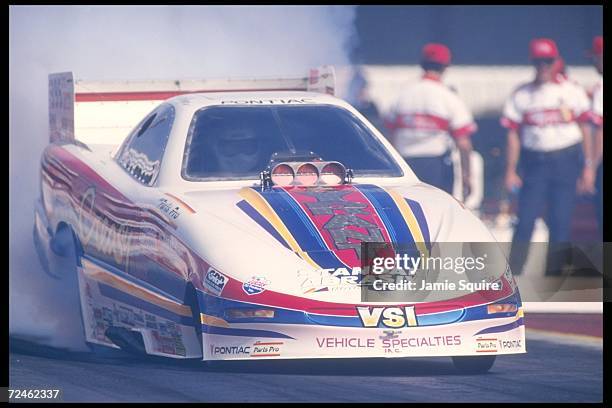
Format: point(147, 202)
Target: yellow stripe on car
point(213, 321)
point(99, 274)
point(411, 221)
point(263, 208)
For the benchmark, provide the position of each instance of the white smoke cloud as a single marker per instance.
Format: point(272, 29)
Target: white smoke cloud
point(121, 42)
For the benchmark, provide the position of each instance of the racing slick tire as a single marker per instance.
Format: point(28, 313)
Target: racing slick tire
point(62, 265)
point(473, 364)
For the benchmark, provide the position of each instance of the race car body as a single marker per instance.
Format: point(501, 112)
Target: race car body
point(231, 225)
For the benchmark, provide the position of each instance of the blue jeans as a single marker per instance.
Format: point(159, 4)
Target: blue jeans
point(549, 184)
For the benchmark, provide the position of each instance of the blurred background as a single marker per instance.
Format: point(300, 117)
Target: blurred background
point(489, 59)
point(477, 35)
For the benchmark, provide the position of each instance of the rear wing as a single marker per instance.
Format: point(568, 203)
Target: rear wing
point(95, 112)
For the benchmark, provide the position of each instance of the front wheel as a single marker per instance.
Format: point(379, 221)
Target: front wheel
point(473, 364)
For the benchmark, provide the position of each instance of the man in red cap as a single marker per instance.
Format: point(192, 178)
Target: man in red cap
point(596, 54)
point(428, 119)
point(547, 128)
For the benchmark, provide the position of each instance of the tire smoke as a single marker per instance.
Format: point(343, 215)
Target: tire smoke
point(121, 42)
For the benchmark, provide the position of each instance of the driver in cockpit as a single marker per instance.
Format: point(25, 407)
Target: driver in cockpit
point(237, 150)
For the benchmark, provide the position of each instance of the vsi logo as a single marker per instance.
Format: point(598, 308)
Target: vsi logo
point(255, 285)
point(393, 317)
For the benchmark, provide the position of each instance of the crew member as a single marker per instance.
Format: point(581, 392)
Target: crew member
point(547, 128)
point(427, 118)
point(560, 73)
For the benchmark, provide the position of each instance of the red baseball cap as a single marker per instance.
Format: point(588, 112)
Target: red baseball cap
point(543, 48)
point(597, 49)
point(437, 53)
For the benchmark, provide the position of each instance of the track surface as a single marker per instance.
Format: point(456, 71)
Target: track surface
point(549, 372)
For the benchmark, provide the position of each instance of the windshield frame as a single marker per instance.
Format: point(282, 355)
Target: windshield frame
point(400, 170)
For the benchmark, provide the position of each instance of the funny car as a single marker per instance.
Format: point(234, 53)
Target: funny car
point(227, 220)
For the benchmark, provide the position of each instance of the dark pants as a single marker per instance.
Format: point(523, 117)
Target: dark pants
point(437, 170)
point(549, 184)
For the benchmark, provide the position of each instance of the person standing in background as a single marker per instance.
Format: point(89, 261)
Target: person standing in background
point(597, 119)
point(427, 118)
point(547, 122)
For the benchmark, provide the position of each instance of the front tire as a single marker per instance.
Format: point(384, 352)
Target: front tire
point(473, 364)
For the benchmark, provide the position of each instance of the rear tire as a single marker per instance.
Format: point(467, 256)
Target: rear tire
point(473, 364)
point(63, 263)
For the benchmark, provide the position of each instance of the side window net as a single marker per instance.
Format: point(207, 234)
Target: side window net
point(142, 156)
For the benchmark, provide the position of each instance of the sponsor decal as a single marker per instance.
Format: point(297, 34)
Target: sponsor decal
point(345, 342)
point(147, 239)
point(151, 321)
point(102, 318)
point(510, 344)
point(255, 285)
point(330, 279)
point(486, 345)
point(390, 334)
point(394, 344)
point(392, 317)
point(230, 350)
point(265, 101)
point(215, 281)
point(168, 339)
point(346, 275)
point(169, 208)
point(266, 349)
point(167, 335)
point(105, 235)
point(257, 349)
point(124, 315)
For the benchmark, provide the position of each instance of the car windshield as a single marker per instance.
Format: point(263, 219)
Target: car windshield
point(238, 142)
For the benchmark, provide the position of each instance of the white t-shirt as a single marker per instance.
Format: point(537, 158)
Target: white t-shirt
point(547, 115)
point(426, 117)
point(597, 104)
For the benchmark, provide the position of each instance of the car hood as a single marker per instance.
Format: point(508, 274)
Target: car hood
point(289, 235)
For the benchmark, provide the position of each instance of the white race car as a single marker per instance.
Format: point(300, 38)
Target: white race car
point(231, 223)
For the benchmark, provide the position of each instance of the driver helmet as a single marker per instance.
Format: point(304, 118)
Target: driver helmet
point(237, 150)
